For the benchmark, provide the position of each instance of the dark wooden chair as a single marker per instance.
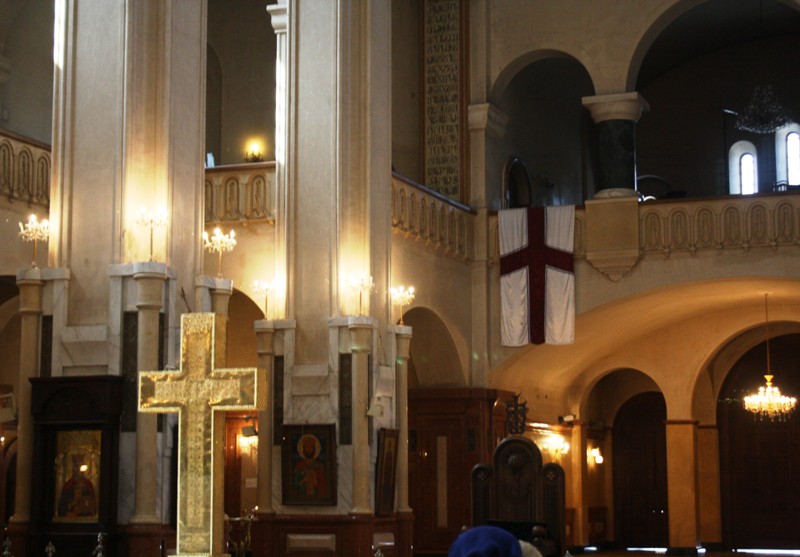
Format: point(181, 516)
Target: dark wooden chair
point(517, 493)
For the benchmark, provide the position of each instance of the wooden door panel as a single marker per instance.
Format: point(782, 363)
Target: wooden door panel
point(760, 459)
point(640, 472)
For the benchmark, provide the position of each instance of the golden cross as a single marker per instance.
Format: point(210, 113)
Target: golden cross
point(197, 392)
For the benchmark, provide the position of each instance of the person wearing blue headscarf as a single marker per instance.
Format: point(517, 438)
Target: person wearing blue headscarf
point(485, 541)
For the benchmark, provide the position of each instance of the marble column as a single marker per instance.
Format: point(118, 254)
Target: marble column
point(615, 117)
point(682, 481)
point(360, 345)
point(402, 335)
point(150, 278)
point(265, 347)
point(31, 287)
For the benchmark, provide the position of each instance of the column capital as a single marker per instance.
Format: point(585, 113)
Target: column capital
point(402, 336)
point(486, 116)
point(280, 16)
point(31, 287)
point(360, 333)
point(149, 289)
point(265, 337)
point(619, 106)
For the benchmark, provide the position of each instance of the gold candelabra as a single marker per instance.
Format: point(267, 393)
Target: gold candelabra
point(152, 221)
point(263, 288)
point(34, 231)
point(219, 243)
point(402, 297)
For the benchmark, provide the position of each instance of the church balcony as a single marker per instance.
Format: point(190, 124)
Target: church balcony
point(24, 170)
point(241, 193)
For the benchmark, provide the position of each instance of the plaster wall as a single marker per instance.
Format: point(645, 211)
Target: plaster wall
point(26, 99)
point(240, 33)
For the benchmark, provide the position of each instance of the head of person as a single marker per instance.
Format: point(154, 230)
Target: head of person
point(485, 541)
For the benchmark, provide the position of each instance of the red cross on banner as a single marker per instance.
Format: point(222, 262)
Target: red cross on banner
point(537, 276)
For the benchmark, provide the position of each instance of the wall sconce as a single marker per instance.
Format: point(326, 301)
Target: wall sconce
point(402, 297)
point(596, 455)
point(556, 446)
point(263, 288)
point(364, 285)
point(252, 152)
point(34, 231)
point(219, 243)
point(152, 221)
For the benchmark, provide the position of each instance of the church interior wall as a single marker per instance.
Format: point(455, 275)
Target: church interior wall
point(242, 38)
point(545, 129)
point(696, 131)
point(406, 98)
point(9, 342)
point(26, 97)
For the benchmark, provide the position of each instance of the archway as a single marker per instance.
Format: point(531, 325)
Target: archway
point(548, 126)
point(640, 472)
point(760, 459)
point(434, 359)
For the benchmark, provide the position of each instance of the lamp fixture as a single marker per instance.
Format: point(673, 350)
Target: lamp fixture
point(263, 288)
point(556, 445)
point(34, 231)
point(152, 221)
point(764, 114)
point(253, 152)
point(363, 284)
point(769, 402)
point(596, 455)
point(219, 243)
point(402, 297)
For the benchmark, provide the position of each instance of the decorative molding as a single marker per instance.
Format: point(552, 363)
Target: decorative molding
point(240, 193)
point(24, 170)
point(619, 106)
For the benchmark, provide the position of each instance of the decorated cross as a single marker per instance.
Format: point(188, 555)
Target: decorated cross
point(197, 392)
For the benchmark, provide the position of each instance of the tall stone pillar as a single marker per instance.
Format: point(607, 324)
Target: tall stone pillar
point(360, 346)
point(402, 335)
point(682, 481)
point(616, 116)
point(578, 495)
point(150, 279)
point(265, 347)
point(31, 287)
point(486, 122)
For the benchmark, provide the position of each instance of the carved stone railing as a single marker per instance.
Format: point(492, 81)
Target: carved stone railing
point(741, 222)
point(426, 216)
point(690, 225)
point(240, 193)
point(24, 169)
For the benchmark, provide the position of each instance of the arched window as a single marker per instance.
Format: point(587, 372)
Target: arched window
point(793, 159)
point(787, 156)
point(742, 168)
point(747, 173)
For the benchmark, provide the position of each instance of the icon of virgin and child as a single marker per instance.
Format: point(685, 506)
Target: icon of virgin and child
point(78, 499)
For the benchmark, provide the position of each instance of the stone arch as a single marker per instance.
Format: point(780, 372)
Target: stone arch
point(658, 25)
point(547, 127)
point(435, 359)
point(511, 70)
point(241, 346)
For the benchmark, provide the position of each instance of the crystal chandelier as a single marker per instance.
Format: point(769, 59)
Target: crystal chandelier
point(764, 114)
point(769, 402)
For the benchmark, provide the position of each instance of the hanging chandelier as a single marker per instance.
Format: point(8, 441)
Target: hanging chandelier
point(764, 114)
point(769, 402)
